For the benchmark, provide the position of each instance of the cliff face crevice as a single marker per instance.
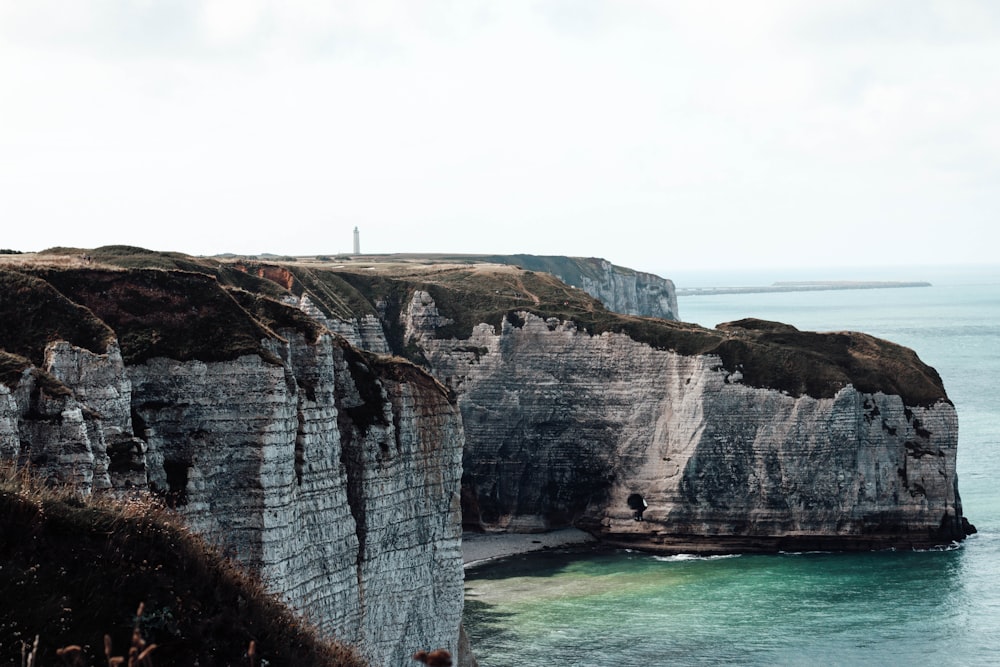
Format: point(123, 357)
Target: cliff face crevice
point(563, 426)
point(332, 472)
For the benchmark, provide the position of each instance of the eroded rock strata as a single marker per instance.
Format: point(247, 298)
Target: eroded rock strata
point(620, 289)
point(851, 447)
point(332, 472)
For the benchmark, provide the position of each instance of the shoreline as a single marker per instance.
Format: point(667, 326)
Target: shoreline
point(481, 548)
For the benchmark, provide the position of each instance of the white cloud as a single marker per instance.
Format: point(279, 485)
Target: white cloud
point(657, 134)
point(230, 23)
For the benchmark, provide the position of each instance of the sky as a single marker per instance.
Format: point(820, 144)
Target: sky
point(660, 135)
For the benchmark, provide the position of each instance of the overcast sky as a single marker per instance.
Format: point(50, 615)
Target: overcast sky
point(660, 135)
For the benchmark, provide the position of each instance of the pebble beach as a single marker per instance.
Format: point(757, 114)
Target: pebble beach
point(478, 548)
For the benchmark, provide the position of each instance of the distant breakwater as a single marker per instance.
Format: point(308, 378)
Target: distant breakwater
point(802, 286)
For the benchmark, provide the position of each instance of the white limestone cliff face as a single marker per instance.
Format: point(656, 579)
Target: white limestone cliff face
point(10, 438)
point(346, 504)
point(70, 429)
point(632, 292)
point(562, 427)
point(337, 481)
point(99, 382)
point(363, 332)
point(62, 440)
point(620, 289)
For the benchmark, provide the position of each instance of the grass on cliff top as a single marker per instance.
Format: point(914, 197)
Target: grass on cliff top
point(187, 315)
point(12, 369)
point(768, 355)
point(156, 313)
point(233, 274)
point(73, 570)
point(571, 269)
point(468, 295)
point(819, 364)
point(332, 294)
point(33, 314)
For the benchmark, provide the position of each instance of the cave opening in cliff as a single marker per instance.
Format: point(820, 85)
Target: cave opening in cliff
point(637, 504)
point(177, 479)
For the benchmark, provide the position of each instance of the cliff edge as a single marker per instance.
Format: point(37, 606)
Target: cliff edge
point(751, 436)
point(619, 288)
point(332, 472)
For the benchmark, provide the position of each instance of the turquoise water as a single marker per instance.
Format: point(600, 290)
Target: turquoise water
point(885, 608)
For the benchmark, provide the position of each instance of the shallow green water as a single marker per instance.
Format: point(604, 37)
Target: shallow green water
point(886, 608)
point(637, 609)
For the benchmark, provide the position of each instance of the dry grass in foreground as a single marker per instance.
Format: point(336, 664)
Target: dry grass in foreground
point(73, 571)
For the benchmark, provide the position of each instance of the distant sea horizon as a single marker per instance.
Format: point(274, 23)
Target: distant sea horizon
point(934, 608)
point(763, 276)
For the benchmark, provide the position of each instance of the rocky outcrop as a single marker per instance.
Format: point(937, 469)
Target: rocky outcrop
point(55, 433)
point(620, 289)
point(563, 426)
point(363, 332)
point(328, 300)
point(632, 292)
point(332, 472)
point(342, 492)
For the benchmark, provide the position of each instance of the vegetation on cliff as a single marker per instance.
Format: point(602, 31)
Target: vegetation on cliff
point(766, 354)
point(76, 569)
point(571, 270)
point(168, 304)
point(158, 313)
point(34, 314)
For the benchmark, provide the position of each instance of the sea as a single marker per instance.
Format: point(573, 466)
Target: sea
point(936, 607)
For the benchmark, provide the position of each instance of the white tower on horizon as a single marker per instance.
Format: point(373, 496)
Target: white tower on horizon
point(357, 242)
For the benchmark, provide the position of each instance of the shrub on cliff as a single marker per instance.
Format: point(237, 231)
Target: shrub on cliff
point(73, 570)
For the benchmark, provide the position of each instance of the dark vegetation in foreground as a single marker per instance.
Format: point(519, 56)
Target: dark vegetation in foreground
point(73, 570)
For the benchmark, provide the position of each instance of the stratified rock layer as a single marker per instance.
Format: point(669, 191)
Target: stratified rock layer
point(332, 472)
point(562, 427)
point(620, 289)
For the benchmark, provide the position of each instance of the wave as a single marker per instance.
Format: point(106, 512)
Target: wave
point(679, 558)
point(954, 546)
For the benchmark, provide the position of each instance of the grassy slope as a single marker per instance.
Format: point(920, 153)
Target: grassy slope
point(33, 314)
point(168, 313)
point(768, 354)
point(571, 269)
point(11, 368)
point(187, 314)
point(73, 571)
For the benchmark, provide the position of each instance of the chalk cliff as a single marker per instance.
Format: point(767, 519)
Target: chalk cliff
point(758, 437)
point(331, 471)
point(620, 289)
point(754, 436)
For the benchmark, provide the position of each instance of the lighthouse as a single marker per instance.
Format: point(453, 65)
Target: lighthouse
point(357, 242)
